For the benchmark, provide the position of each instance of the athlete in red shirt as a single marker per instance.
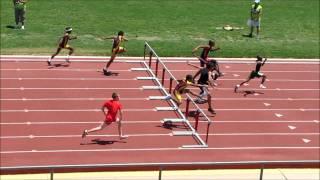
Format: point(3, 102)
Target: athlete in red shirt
point(113, 106)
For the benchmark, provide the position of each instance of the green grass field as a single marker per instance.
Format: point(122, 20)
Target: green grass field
point(290, 28)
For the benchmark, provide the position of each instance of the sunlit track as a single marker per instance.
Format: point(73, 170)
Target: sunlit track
point(38, 120)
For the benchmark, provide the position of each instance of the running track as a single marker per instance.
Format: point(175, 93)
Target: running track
point(44, 111)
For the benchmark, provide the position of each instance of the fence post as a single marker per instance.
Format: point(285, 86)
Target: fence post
point(160, 173)
point(261, 172)
point(51, 174)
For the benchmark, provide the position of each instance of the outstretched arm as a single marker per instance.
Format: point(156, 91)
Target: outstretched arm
point(265, 59)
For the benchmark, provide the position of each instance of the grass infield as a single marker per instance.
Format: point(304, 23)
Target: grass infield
point(290, 28)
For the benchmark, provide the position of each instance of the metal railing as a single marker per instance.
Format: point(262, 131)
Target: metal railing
point(160, 167)
point(151, 53)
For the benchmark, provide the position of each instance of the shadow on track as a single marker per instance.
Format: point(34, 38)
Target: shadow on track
point(102, 142)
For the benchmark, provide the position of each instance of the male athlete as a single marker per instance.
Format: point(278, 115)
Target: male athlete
point(255, 74)
point(205, 73)
point(206, 49)
point(113, 106)
point(116, 49)
point(63, 44)
point(182, 88)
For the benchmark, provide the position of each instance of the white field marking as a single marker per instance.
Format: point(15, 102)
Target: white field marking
point(245, 84)
point(292, 127)
point(134, 99)
point(147, 78)
point(163, 134)
point(174, 70)
point(235, 75)
point(306, 140)
point(157, 122)
point(157, 149)
point(302, 109)
point(278, 115)
point(139, 110)
point(267, 104)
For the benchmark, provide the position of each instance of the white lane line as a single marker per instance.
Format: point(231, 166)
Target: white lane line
point(165, 134)
point(72, 99)
point(134, 99)
point(155, 109)
point(316, 121)
point(156, 121)
point(160, 149)
point(182, 59)
point(68, 88)
point(71, 79)
point(70, 110)
point(126, 70)
point(150, 78)
point(112, 88)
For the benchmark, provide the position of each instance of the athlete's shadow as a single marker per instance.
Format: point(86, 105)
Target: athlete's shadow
point(102, 142)
point(110, 74)
point(250, 92)
point(56, 65)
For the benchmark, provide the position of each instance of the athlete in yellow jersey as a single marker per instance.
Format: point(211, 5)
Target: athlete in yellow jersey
point(255, 17)
point(182, 88)
point(63, 44)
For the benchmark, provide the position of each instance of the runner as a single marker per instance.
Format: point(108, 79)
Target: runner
point(205, 52)
point(113, 106)
point(116, 49)
point(215, 73)
point(204, 80)
point(182, 88)
point(63, 44)
point(255, 73)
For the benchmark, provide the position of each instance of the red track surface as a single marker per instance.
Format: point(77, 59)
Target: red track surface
point(42, 118)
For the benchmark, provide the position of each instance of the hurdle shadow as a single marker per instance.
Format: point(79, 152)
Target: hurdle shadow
point(250, 92)
point(57, 65)
point(102, 142)
point(172, 126)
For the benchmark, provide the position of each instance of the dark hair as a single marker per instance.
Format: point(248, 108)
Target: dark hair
point(210, 64)
point(211, 42)
point(120, 33)
point(114, 95)
point(189, 77)
point(259, 58)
